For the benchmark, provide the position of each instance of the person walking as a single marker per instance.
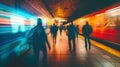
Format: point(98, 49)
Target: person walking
point(55, 29)
point(71, 32)
point(38, 39)
point(86, 31)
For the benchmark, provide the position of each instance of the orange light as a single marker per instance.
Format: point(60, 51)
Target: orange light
point(4, 21)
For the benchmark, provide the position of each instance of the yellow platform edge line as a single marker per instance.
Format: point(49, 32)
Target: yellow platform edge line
point(104, 47)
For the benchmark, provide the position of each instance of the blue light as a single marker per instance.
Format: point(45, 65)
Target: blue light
point(44, 23)
point(17, 18)
point(17, 24)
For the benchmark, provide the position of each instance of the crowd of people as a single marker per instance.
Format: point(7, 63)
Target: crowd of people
point(37, 37)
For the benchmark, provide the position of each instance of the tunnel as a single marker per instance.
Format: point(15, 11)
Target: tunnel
point(18, 18)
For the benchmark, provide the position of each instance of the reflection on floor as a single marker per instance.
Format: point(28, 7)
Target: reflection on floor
point(60, 56)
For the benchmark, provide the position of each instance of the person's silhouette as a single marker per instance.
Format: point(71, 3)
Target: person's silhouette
point(51, 30)
point(71, 32)
point(39, 40)
point(60, 28)
point(86, 31)
point(55, 29)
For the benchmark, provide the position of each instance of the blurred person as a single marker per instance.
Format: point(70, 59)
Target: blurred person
point(60, 28)
point(71, 32)
point(38, 38)
point(55, 29)
point(51, 30)
point(86, 31)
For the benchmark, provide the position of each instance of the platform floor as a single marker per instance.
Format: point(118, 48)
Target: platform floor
point(60, 56)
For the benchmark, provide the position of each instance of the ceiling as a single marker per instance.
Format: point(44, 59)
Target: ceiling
point(66, 9)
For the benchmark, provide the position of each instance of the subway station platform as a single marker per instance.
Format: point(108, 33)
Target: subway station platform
point(19, 16)
point(60, 56)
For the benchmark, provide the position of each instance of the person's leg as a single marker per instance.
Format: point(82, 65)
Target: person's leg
point(55, 38)
point(51, 34)
point(86, 42)
point(60, 32)
point(44, 50)
point(69, 42)
point(74, 44)
point(36, 55)
point(89, 42)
